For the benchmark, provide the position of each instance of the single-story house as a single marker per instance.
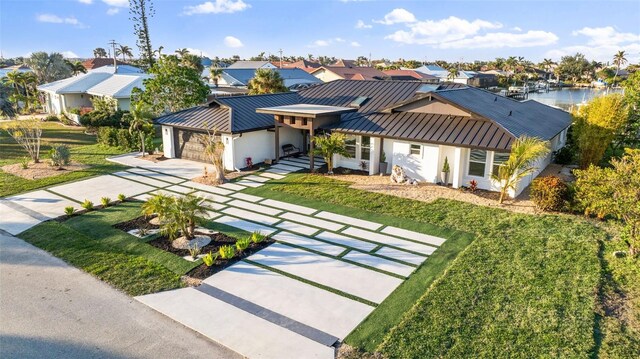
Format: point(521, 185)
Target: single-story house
point(333, 73)
point(98, 62)
point(77, 91)
point(415, 125)
point(293, 78)
point(251, 65)
point(411, 75)
point(306, 65)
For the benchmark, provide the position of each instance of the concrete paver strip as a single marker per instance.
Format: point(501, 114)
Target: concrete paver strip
point(420, 237)
point(245, 225)
point(288, 206)
point(320, 223)
point(321, 309)
point(156, 175)
point(142, 179)
point(333, 273)
point(207, 188)
point(379, 263)
point(43, 203)
point(297, 227)
point(212, 197)
point(102, 186)
point(279, 171)
point(392, 241)
point(287, 167)
point(251, 216)
point(14, 221)
point(272, 175)
point(254, 207)
point(247, 197)
point(232, 186)
point(309, 243)
point(401, 255)
point(180, 189)
point(247, 183)
point(243, 332)
point(346, 241)
point(255, 178)
point(349, 220)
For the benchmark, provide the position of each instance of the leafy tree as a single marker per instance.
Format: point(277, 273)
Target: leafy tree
point(141, 11)
point(48, 67)
point(99, 52)
point(174, 86)
point(214, 74)
point(27, 133)
point(629, 136)
point(125, 51)
point(214, 149)
point(619, 59)
point(573, 67)
point(76, 67)
point(140, 122)
point(182, 52)
point(6, 107)
point(193, 61)
point(596, 125)
point(329, 145)
point(183, 213)
point(614, 191)
point(266, 81)
point(453, 74)
point(525, 151)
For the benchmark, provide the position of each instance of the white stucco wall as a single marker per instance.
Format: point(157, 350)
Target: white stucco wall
point(259, 145)
point(167, 142)
point(123, 104)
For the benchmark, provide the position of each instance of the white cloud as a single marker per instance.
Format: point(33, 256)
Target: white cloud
point(339, 39)
point(199, 52)
point(320, 43)
point(70, 54)
point(55, 19)
point(601, 44)
point(397, 16)
point(599, 36)
point(117, 3)
point(361, 25)
point(231, 41)
point(496, 40)
point(516, 28)
point(440, 31)
point(113, 11)
point(217, 7)
point(86, 1)
point(355, 44)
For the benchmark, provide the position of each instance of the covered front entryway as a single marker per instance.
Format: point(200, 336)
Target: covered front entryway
point(304, 117)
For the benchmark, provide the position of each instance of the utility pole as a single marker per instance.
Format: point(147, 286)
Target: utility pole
point(280, 51)
point(115, 63)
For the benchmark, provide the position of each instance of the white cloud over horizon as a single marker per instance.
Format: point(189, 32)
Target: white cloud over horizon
point(355, 44)
point(216, 7)
point(601, 44)
point(328, 42)
point(361, 25)
point(233, 42)
point(113, 11)
point(117, 3)
point(397, 16)
point(55, 19)
point(69, 54)
point(433, 32)
point(502, 39)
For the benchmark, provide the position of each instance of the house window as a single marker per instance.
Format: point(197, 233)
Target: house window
point(498, 160)
point(350, 145)
point(415, 150)
point(365, 148)
point(477, 162)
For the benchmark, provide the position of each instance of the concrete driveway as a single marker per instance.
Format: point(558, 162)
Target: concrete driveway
point(50, 309)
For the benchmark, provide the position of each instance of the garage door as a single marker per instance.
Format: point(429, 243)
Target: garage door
point(188, 146)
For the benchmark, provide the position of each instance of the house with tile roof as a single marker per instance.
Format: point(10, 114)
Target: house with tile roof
point(411, 75)
point(92, 64)
point(333, 73)
point(412, 124)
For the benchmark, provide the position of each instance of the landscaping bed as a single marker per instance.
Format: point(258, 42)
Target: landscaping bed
point(136, 223)
point(43, 169)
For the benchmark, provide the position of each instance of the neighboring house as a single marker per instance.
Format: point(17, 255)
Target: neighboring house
point(415, 125)
point(483, 80)
point(251, 65)
point(344, 63)
point(92, 64)
point(77, 91)
point(306, 65)
point(472, 78)
point(433, 70)
point(294, 79)
point(411, 75)
point(333, 73)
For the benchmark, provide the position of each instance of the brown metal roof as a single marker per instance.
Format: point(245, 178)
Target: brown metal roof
point(355, 73)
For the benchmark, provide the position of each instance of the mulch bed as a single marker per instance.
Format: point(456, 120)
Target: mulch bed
point(42, 169)
point(153, 158)
point(136, 223)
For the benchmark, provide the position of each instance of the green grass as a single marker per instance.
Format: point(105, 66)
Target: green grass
point(83, 149)
point(526, 287)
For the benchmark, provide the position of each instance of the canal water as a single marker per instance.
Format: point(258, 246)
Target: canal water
point(568, 97)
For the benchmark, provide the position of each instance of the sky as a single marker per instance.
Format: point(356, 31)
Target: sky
point(423, 30)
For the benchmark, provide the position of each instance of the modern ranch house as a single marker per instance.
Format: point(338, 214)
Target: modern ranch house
point(411, 124)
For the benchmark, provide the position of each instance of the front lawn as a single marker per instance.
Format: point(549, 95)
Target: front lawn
point(84, 149)
point(526, 287)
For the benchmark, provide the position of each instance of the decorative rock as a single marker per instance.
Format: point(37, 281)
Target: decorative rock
point(183, 243)
point(398, 175)
point(136, 232)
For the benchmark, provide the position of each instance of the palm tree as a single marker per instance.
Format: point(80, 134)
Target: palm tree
point(125, 51)
point(453, 74)
point(547, 64)
point(99, 52)
point(76, 67)
point(13, 79)
point(266, 81)
point(327, 146)
point(184, 213)
point(159, 51)
point(524, 152)
point(140, 121)
point(182, 52)
point(159, 205)
point(214, 74)
point(618, 60)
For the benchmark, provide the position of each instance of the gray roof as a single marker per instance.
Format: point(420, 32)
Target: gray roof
point(250, 64)
point(291, 77)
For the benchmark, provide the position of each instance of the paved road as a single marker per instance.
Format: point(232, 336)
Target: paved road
point(50, 309)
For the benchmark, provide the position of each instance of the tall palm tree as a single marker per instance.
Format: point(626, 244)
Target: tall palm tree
point(618, 60)
point(141, 117)
point(524, 153)
point(76, 67)
point(182, 52)
point(99, 52)
point(125, 51)
point(453, 74)
point(13, 79)
point(266, 81)
point(214, 74)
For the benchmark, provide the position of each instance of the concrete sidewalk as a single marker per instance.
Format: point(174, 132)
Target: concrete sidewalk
point(50, 309)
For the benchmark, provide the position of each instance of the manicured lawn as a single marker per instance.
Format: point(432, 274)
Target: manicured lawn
point(526, 287)
point(83, 149)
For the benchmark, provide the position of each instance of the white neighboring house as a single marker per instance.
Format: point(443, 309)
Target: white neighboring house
point(415, 129)
point(77, 91)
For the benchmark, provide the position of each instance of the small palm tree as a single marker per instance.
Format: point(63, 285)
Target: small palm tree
point(524, 152)
point(182, 52)
point(141, 117)
point(76, 67)
point(619, 59)
point(329, 145)
point(99, 52)
point(214, 74)
point(184, 213)
point(266, 81)
point(125, 51)
point(453, 74)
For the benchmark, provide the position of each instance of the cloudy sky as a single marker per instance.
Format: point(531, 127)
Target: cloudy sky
point(423, 30)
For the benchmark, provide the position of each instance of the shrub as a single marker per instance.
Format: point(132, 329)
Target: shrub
point(549, 193)
point(257, 237)
point(99, 118)
point(105, 201)
point(117, 137)
point(51, 118)
point(194, 251)
point(565, 155)
point(88, 205)
point(243, 244)
point(60, 155)
point(473, 185)
point(227, 252)
point(24, 162)
point(69, 210)
point(209, 258)
point(122, 197)
point(74, 110)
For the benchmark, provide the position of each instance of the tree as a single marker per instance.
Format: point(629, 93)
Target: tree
point(573, 67)
point(193, 61)
point(214, 74)
point(629, 136)
point(174, 87)
point(214, 149)
point(618, 60)
point(184, 212)
point(614, 191)
point(453, 74)
point(182, 52)
point(140, 121)
point(141, 11)
point(27, 133)
point(99, 52)
point(266, 81)
point(329, 145)
point(76, 67)
point(125, 51)
point(48, 67)
point(595, 127)
point(525, 151)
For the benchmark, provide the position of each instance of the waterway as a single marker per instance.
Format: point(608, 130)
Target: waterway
point(568, 97)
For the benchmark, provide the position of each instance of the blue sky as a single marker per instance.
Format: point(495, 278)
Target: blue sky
point(423, 30)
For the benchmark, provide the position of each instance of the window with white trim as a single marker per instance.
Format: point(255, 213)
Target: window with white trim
point(365, 148)
point(498, 160)
point(350, 145)
point(415, 150)
point(477, 163)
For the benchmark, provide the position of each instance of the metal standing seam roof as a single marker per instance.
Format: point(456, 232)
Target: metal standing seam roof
point(75, 84)
point(199, 118)
point(118, 86)
point(241, 77)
